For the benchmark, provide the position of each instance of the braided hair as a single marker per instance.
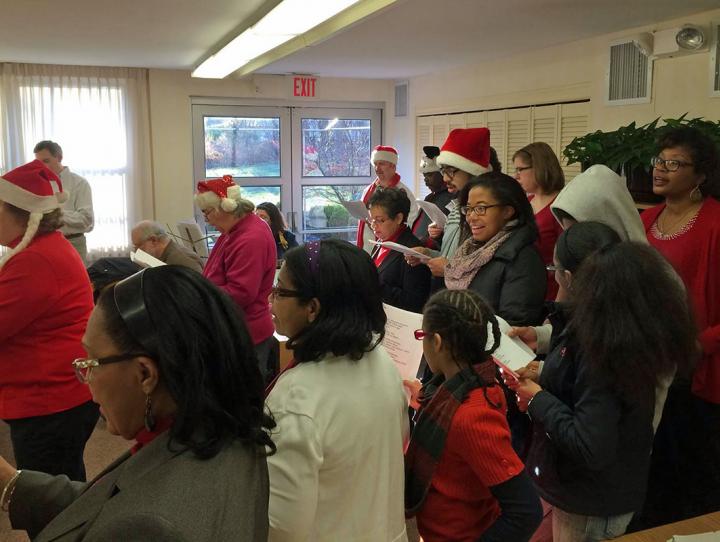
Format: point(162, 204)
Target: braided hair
point(461, 318)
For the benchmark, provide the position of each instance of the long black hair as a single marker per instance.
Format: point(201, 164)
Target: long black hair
point(205, 356)
point(507, 191)
point(277, 224)
point(630, 314)
point(351, 320)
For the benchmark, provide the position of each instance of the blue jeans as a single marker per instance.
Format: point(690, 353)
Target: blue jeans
point(576, 528)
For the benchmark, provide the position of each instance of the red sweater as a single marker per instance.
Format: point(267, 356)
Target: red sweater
point(695, 255)
point(477, 456)
point(549, 229)
point(242, 263)
point(45, 303)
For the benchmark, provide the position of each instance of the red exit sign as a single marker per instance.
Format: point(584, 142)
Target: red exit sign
point(304, 86)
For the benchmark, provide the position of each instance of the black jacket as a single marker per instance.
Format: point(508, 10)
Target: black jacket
point(403, 286)
point(590, 450)
point(514, 281)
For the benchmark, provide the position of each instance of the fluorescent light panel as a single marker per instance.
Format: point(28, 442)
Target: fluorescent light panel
point(287, 20)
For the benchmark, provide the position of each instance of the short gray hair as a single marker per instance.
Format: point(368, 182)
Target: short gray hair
point(149, 228)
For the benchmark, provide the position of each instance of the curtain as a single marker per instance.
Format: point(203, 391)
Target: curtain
point(100, 118)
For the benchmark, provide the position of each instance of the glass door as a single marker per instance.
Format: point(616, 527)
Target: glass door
point(250, 143)
point(304, 160)
point(331, 164)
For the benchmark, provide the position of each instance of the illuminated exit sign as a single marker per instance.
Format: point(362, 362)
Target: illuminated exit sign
point(304, 86)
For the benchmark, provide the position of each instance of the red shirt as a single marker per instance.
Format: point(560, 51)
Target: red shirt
point(380, 253)
point(695, 255)
point(242, 263)
point(477, 456)
point(549, 229)
point(45, 303)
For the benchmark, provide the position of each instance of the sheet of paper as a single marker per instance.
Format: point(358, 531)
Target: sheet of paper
point(704, 537)
point(403, 249)
point(400, 341)
point(356, 208)
point(512, 353)
point(144, 259)
point(434, 212)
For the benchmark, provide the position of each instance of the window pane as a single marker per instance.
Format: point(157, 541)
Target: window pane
point(324, 216)
point(336, 147)
point(242, 146)
point(261, 194)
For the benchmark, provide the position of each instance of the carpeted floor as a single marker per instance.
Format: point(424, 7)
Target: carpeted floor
point(101, 449)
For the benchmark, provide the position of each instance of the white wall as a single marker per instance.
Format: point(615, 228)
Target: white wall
point(564, 73)
point(170, 94)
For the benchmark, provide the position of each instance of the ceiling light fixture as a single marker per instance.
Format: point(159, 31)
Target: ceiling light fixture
point(690, 37)
point(289, 19)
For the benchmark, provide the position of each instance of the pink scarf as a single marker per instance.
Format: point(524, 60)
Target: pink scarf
point(470, 257)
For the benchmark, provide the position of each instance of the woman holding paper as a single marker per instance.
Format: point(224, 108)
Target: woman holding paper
point(596, 402)
point(463, 478)
point(340, 408)
point(403, 286)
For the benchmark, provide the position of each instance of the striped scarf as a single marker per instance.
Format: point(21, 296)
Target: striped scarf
point(439, 401)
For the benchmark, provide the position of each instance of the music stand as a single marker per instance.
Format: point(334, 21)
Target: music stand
point(193, 237)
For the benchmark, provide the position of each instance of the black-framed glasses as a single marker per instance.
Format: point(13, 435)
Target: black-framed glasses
point(276, 292)
point(519, 170)
point(449, 172)
point(669, 165)
point(83, 366)
point(479, 210)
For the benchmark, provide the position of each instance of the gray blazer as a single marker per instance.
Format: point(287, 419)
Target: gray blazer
point(156, 495)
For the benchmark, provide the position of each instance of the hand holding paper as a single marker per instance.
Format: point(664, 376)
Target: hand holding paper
point(402, 249)
point(356, 209)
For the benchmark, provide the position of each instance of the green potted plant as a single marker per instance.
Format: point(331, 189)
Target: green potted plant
point(629, 149)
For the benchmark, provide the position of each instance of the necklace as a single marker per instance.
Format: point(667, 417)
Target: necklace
point(669, 232)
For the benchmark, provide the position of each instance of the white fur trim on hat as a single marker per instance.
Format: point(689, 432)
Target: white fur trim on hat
point(27, 201)
point(428, 165)
point(207, 200)
point(448, 158)
point(387, 156)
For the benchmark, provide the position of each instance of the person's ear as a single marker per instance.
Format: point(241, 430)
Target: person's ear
point(398, 219)
point(149, 374)
point(568, 276)
point(313, 309)
point(508, 213)
point(437, 342)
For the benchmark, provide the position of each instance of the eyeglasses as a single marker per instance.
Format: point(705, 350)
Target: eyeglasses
point(551, 268)
point(479, 210)
point(380, 221)
point(449, 172)
point(519, 170)
point(207, 211)
point(83, 366)
point(276, 292)
point(420, 334)
point(669, 165)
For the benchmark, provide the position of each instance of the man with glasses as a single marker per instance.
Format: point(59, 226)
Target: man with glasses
point(384, 160)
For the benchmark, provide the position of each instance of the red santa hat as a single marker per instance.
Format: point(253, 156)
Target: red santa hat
point(35, 189)
point(384, 152)
point(467, 149)
point(218, 193)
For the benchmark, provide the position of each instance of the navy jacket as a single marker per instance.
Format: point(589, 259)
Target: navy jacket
point(590, 450)
point(403, 286)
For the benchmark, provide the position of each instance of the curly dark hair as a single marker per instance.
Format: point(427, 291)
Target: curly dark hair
point(206, 360)
point(394, 200)
point(507, 191)
point(703, 151)
point(630, 315)
point(351, 320)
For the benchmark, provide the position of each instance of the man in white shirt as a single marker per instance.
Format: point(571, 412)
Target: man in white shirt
point(78, 210)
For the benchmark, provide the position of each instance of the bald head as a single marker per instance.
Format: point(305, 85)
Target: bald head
point(150, 237)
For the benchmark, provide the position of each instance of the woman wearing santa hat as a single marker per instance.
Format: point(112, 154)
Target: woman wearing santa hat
point(243, 260)
point(45, 303)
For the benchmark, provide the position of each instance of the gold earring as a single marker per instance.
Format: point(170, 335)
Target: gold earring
point(149, 417)
point(696, 195)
